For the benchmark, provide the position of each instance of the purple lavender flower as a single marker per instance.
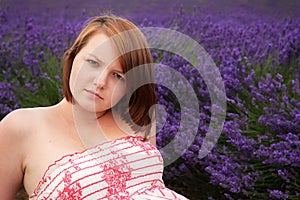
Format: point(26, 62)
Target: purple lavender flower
point(277, 194)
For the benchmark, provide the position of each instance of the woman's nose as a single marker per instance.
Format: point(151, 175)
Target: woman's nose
point(101, 80)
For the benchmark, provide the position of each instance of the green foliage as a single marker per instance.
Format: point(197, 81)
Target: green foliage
point(48, 85)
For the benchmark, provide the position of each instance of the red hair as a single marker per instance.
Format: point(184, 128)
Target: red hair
point(142, 98)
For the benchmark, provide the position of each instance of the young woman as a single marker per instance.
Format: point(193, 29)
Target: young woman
point(99, 141)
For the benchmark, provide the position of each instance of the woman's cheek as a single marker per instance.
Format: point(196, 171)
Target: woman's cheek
point(118, 95)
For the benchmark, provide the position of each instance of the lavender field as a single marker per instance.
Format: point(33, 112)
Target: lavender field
point(254, 44)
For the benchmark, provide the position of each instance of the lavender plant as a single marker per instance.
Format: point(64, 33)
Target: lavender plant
point(257, 156)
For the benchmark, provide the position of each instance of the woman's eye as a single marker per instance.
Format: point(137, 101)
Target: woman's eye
point(92, 62)
point(118, 76)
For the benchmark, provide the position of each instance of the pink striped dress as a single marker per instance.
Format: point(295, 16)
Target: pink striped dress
point(123, 169)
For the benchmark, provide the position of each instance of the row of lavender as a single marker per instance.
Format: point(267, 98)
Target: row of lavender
point(258, 153)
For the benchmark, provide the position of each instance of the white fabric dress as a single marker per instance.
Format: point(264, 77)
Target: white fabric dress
point(126, 168)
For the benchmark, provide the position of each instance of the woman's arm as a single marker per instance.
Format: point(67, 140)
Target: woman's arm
point(11, 154)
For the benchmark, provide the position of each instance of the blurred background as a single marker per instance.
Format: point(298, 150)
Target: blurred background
point(256, 47)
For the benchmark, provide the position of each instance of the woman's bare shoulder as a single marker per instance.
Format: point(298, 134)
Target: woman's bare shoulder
point(16, 134)
point(22, 120)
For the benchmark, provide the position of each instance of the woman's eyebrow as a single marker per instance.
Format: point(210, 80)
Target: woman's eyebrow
point(119, 71)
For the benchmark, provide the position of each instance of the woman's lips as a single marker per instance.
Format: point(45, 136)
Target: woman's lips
point(94, 93)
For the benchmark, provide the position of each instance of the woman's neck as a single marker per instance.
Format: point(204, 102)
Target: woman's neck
point(85, 123)
point(73, 112)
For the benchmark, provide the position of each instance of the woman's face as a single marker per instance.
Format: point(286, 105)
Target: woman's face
point(95, 75)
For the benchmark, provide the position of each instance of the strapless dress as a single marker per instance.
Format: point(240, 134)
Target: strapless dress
point(124, 169)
